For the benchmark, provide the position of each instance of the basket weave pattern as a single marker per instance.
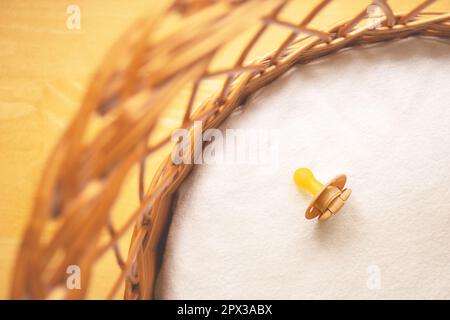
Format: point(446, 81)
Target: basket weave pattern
point(136, 81)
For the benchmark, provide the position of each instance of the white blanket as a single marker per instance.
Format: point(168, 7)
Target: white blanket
point(381, 115)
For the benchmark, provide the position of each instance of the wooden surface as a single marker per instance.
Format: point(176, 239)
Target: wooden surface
point(44, 68)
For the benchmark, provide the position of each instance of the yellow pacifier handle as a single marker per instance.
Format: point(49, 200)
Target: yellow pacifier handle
point(304, 179)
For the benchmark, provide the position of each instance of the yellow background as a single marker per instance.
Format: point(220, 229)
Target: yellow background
point(44, 69)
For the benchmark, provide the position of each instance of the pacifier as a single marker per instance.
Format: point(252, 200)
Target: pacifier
point(328, 199)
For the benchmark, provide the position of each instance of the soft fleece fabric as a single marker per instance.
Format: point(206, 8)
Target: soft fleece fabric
point(382, 116)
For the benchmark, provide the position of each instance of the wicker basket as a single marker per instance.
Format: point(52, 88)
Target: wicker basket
point(115, 138)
